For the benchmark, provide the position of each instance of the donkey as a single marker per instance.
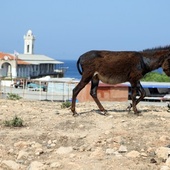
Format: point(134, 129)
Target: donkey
point(114, 67)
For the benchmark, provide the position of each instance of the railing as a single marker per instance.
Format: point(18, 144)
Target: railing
point(51, 90)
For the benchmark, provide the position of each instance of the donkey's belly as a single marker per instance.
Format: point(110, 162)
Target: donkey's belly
point(110, 80)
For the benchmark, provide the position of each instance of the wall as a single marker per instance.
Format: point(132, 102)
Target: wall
point(105, 92)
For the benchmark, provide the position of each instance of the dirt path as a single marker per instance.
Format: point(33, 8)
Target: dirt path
point(53, 139)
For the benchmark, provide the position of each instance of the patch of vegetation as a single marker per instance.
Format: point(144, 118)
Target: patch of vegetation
point(156, 77)
point(15, 122)
point(66, 104)
point(12, 96)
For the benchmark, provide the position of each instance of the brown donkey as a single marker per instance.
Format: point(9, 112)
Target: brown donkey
point(117, 67)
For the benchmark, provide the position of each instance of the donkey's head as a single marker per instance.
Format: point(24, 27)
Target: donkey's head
point(166, 66)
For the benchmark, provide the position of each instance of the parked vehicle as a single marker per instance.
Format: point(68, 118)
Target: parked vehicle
point(36, 87)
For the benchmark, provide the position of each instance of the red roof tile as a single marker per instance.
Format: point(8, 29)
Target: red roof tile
point(12, 57)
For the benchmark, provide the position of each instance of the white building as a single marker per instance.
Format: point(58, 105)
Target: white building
point(29, 65)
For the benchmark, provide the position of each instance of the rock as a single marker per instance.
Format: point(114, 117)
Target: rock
point(36, 145)
point(74, 166)
point(133, 154)
point(122, 149)
point(118, 139)
point(117, 154)
point(10, 151)
point(110, 140)
point(64, 150)
point(21, 144)
point(97, 154)
point(107, 132)
point(39, 151)
point(110, 151)
point(9, 164)
point(22, 155)
point(165, 168)
point(143, 154)
point(168, 162)
point(53, 145)
point(164, 138)
point(37, 166)
point(72, 155)
point(55, 165)
point(49, 142)
point(163, 152)
point(81, 126)
point(153, 161)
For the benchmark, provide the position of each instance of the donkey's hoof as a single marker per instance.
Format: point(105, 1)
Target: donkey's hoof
point(129, 107)
point(104, 112)
point(75, 114)
point(138, 113)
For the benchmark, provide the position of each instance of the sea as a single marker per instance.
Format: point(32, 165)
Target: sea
point(71, 69)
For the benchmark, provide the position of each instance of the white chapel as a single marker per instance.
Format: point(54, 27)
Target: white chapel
point(28, 64)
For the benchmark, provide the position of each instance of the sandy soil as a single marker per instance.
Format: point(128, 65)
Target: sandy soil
point(53, 139)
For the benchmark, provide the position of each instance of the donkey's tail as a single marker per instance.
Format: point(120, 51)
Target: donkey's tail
point(78, 66)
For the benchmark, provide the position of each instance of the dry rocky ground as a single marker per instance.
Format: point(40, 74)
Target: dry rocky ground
point(53, 139)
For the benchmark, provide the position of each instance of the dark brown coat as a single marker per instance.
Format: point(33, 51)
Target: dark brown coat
point(118, 67)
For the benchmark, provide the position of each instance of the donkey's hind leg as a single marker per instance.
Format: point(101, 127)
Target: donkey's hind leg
point(136, 88)
point(141, 92)
point(93, 93)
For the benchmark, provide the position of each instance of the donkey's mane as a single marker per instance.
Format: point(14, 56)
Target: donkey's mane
point(167, 47)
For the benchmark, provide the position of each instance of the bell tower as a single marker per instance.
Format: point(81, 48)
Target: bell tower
point(29, 43)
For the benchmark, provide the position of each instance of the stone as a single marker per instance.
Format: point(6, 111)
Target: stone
point(64, 150)
point(168, 162)
point(49, 142)
point(35, 165)
point(97, 154)
point(153, 161)
point(74, 166)
point(133, 154)
point(118, 139)
point(9, 164)
point(165, 168)
point(22, 155)
point(143, 154)
point(122, 149)
point(163, 152)
point(110, 140)
point(110, 151)
point(55, 165)
point(164, 138)
point(117, 154)
point(36, 145)
point(39, 151)
point(21, 144)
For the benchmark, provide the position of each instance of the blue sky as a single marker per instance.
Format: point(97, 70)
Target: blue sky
point(64, 29)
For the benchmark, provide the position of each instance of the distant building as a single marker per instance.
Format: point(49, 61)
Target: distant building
point(29, 65)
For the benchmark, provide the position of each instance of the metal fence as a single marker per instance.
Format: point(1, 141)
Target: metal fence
point(40, 90)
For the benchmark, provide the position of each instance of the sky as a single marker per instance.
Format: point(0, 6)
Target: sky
point(65, 29)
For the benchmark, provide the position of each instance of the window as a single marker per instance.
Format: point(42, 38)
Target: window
point(28, 48)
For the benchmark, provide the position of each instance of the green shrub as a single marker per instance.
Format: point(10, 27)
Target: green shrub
point(13, 96)
point(15, 122)
point(156, 77)
point(66, 104)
